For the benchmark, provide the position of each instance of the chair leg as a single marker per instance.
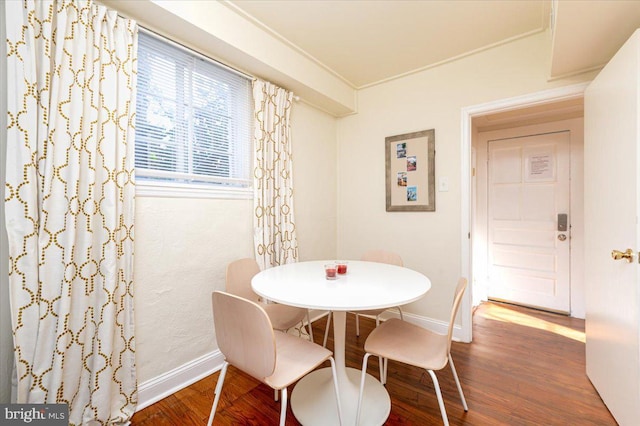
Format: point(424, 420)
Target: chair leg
point(362, 377)
point(384, 373)
point(381, 361)
point(223, 372)
point(357, 325)
point(335, 386)
point(275, 395)
point(455, 376)
point(326, 330)
point(310, 327)
point(436, 385)
point(283, 407)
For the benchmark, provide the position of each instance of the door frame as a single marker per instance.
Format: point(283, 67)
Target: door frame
point(466, 213)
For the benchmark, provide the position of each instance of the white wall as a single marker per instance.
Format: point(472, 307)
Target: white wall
point(182, 247)
point(315, 181)
point(433, 99)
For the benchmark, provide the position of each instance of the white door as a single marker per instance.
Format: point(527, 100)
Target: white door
point(611, 223)
point(528, 214)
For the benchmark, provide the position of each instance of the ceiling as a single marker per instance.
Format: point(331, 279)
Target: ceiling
point(367, 42)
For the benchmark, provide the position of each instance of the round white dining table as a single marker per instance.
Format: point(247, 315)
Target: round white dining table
point(366, 285)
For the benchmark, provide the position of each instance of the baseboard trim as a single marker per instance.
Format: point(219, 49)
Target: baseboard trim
point(426, 322)
point(172, 381)
point(179, 378)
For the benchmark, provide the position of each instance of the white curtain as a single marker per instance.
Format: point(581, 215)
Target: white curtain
point(69, 205)
point(274, 223)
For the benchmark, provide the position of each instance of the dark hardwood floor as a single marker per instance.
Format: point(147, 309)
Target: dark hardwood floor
point(524, 367)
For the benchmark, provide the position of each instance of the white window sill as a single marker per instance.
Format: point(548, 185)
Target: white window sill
point(176, 190)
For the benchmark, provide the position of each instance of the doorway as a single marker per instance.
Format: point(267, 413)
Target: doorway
point(508, 263)
point(472, 119)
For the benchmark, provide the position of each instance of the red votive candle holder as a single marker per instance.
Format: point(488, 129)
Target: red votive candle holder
point(330, 271)
point(342, 267)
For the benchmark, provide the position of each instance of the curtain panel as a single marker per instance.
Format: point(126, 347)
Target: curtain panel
point(69, 204)
point(274, 223)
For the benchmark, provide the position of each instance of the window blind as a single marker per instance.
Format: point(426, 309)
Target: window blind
point(193, 117)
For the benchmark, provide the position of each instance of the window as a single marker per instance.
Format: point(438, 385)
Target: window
point(193, 120)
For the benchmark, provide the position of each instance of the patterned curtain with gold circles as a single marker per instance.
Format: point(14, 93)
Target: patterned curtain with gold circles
point(69, 201)
point(274, 224)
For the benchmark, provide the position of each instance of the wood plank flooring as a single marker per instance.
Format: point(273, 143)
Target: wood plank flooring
point(524, 367)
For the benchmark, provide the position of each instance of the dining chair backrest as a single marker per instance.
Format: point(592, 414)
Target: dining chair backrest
point(239, 274)
point(244, 334)
point(382, 256)
point(398, 340)
point(457, 299)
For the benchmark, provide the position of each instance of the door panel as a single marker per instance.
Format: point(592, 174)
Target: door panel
point(611, 222)
point(528, 186)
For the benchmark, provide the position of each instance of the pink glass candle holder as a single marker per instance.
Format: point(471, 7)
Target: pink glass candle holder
point(330, 271)
point(341, 266)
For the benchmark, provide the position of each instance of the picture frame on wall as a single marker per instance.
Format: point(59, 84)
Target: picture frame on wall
point(410, 172)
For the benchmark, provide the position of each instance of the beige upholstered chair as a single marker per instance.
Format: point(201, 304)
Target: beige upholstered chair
point(380, 256)
point(411, 344)
point(246, 338)
point(282, 317)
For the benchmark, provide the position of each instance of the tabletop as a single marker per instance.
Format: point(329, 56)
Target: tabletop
point(366, 285)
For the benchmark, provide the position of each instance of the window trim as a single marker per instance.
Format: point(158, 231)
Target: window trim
point(145, 188)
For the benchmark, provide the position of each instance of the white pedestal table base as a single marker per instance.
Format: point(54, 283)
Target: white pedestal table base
point(313, 400)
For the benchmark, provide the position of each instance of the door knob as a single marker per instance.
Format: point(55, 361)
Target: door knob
point(562, 237)
point(617, 255)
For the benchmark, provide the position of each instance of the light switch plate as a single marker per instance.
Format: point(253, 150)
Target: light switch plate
point(443, 184)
